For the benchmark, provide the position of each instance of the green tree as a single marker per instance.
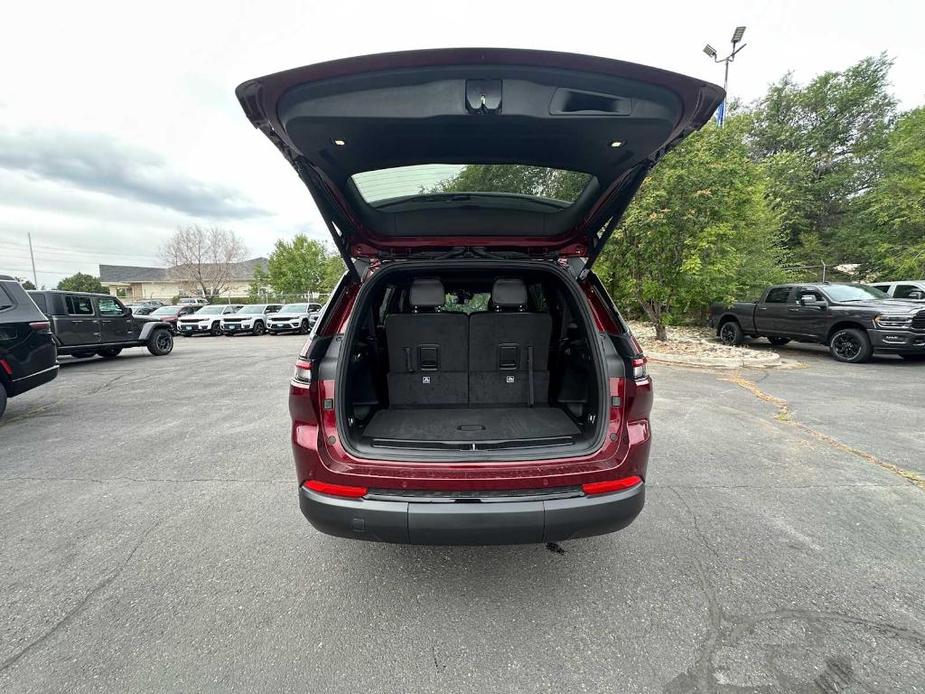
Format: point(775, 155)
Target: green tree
point(301, 266)
point(81, 282)
point(888, 235)
point(26, 284)
point(822, 146)
point(259, 284)
point(699, 230)
point(516, 178)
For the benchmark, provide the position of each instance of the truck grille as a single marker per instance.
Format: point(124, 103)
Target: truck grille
point(918, 321)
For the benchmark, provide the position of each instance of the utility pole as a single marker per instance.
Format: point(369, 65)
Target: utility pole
point(711, 52)
point(35, 277)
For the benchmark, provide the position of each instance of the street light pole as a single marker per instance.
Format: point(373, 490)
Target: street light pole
point(711, 52)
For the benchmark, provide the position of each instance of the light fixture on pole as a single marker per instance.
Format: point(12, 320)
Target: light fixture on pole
point(711, 53)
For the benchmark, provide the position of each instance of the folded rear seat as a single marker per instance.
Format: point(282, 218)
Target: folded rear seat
point(428, 350)
point(509, 350)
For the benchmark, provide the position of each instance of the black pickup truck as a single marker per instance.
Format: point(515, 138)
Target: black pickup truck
point(85, 324)
point(853, 320)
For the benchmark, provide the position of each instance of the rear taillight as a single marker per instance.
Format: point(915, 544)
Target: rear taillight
point(640, 370)
point(6, 367)
point(302, 373)
point(40, 326)
point(336, 489)
point(608, 486)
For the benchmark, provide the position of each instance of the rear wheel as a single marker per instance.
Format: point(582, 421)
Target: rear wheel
point(851, 345)
point(731, 333)
point(110, 352)
point(778, 341)
point(216, 329)
point(303, 327)
point(259, 328)
point(160, 342)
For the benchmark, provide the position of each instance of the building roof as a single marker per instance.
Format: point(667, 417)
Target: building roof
point(115, 274)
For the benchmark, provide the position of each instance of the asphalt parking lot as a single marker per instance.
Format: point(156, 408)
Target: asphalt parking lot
point(152, 541)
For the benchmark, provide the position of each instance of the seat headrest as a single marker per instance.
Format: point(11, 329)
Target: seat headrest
point(427, 293)
point(509, 293)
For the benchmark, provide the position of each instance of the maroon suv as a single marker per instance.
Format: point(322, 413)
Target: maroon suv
point(470, 381)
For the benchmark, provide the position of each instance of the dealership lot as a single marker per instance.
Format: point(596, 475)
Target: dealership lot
point(152, 541)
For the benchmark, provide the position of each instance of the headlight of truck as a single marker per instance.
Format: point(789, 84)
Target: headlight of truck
point(893, 322)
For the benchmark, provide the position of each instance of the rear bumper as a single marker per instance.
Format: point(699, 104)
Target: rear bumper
point(897, 341)
point(426, 521)
point(21, 385)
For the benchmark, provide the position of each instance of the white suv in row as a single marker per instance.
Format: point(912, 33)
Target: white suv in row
point(251, 318)
point(294, 318)
point(206, 320)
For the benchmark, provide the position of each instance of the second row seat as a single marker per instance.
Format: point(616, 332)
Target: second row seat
point(498, 357)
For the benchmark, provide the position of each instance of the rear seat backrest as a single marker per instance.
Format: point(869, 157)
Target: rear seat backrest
point(428, 350)
point(509, 349)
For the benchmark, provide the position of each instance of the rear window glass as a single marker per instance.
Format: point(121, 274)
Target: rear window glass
point(778, 295)
point(79, 305)
point(431, 179)
point(39, 300)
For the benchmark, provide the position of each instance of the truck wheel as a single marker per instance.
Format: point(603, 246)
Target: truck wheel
point(851, 345)
point(259, 328)
point(216, 329)
point(778, 341)
point(731, 333)
point(110, 352)
point(2, 399)
point(160, 342)
point(303, 327)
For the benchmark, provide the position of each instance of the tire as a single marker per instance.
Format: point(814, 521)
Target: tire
point(160, 342)
point(216, 329)
point(304, 328)
point(259, 328)
point(110, 352)
point(3, 399)
point(730, 333)
point(82, 355)
point(850, 345)
point(912, 357)
point(778, 341)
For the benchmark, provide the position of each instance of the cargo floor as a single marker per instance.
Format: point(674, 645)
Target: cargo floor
point(470, 424)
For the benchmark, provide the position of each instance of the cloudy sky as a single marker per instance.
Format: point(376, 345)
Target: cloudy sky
point(118, 120)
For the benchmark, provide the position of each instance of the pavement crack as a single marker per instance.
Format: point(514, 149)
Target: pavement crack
point(82, 604)
point(810, 616)
point(702, 671)
point(785, 415)
point(696, 523)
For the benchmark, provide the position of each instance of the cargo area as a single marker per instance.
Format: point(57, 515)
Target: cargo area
point(459, 361)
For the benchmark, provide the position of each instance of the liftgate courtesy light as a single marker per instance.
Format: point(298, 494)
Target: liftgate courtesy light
point(607, 486)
